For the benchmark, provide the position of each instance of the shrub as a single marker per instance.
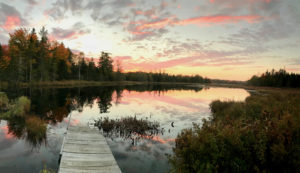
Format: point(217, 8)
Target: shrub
point(4, 102)
point(22, 106)
point(261, 134)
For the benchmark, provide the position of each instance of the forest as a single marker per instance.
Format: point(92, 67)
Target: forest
point(279, 78)
point(31, 57)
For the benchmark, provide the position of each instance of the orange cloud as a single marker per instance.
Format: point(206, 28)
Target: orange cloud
point(130, 64)
point(144, 28)
point(157, 24)
point(139, 32)
point(11, 22)
point(204, 20)
point(251, 1)
point(142, 64)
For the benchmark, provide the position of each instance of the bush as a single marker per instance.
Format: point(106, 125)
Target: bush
point(22, 106)
point(261, 134)
point(4, 102)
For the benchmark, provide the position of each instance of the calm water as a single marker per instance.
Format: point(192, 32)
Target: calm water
point(25, 147)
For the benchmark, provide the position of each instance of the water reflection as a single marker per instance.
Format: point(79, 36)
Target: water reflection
point(175, 107)
point(51, 106)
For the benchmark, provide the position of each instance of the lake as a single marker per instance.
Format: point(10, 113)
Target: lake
point(31, 142)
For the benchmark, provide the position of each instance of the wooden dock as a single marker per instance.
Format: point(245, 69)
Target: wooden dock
point(85, 150)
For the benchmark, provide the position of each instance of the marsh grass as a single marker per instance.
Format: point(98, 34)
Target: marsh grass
point(36, 130)
point(128, 128)
point(261, 134)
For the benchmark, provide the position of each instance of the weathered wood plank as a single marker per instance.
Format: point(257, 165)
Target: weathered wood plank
point(89, 149)
point(84, 163)
point(82, 142)
point(86, 150)
point(113, 169)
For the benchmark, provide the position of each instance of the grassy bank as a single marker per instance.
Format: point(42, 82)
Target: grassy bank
point(250, 87)
point(261, 134)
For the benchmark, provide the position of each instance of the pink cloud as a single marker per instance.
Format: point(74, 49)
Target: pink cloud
point(204, 20)
point(157, 24)
point(130, 64)
point(11, 22)
point(143, 27)
point(250, 1)
point(56, 35)
point(137, 32)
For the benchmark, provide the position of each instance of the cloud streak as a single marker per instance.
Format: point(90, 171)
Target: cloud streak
point(219, 19)
point(74, 32)
point(143, 64)
point(145, 28)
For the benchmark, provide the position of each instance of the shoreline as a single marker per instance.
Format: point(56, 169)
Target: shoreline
point(83, 83)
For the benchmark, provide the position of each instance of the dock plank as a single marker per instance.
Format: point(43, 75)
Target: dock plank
point(86, 150)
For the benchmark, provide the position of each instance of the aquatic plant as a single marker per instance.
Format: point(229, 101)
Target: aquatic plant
point(46, 170)
point(36, 130)
point(128, 127)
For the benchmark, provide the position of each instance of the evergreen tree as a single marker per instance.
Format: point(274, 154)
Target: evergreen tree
point(44, 56)
point(106, 66)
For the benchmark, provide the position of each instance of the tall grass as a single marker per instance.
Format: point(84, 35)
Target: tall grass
point(261, 134)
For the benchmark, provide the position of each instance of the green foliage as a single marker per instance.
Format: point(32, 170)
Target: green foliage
point(21, 107)
point(4, 102)
point(276, 79)
point(46, 170)
point(18, 108)
point(106, 66)
point(261, 134)
point(164, 77)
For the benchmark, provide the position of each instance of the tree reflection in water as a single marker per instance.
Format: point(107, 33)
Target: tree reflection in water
point(129, 128)
point(52, 105)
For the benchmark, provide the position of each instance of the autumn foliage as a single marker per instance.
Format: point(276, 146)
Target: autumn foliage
point(32, 58)
point(261, 134)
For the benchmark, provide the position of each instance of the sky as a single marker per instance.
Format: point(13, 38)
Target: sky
point(219, 39)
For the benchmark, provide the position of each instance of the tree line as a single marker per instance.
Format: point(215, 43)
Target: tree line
point(279, 78)
point(31, 57)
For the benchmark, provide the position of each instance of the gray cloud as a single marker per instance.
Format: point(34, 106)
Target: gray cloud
point(32, 2)
point(76, 30)
point(282, 22)
point(3, 39)
point(60, 7)
point(7, 10)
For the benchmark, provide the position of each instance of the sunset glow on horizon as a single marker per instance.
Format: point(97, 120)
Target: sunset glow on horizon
point(218, 39)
